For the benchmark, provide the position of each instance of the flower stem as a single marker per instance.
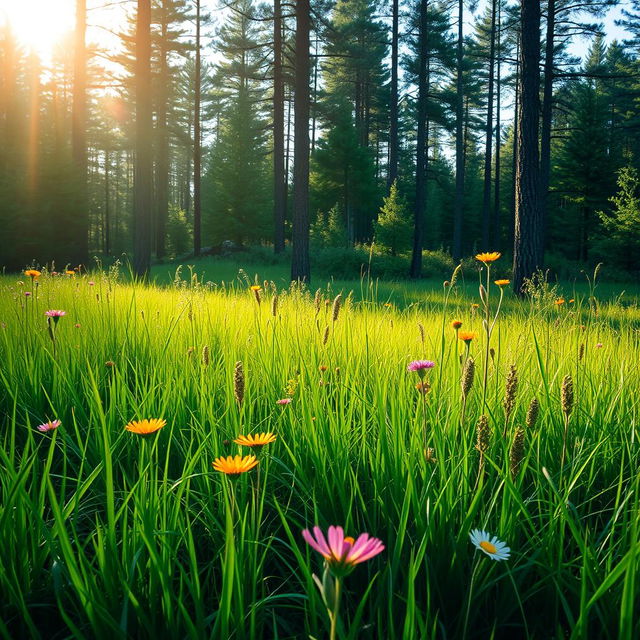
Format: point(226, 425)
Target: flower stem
point(336, 611)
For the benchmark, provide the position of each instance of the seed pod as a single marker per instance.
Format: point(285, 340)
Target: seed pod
point(468, 374)
point(516, 454)
point(238, 383)
point(483, 434)
point(337, 302)
point(492, 353)
point(567, 395)
point(511, 390)
point(205, 355)
point(532, 413)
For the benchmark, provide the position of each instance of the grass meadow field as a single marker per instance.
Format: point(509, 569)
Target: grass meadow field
point(384, 421)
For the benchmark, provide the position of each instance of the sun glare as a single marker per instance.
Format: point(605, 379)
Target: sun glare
point(38, 25)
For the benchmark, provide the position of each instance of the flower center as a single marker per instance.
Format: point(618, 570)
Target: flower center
point(488, 547)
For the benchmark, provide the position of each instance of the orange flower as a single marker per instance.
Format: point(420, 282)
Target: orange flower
point(475, 305)
point(467, 336)
point(70, 273)
point(488, 257)
point(234, 466)
point(559, 301)
point(32, 273)
point(257, 440)
point(255, 287)
point(571, 301)
point(502, 283)
point(145, 427)
point(456, 324)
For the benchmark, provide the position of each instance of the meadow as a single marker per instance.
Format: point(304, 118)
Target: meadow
point(385, 422)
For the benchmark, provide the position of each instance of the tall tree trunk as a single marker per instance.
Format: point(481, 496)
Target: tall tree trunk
point(516, 118)
point(279, 181)
point(528, 250)
point(458, 210)
point(421, 148)
point(80, 241)
point(547, 111)
point(393, 99)
point(107, 211)
point(162, 163)
point(143, 181)
point(486, 192)
point(300, 268)
point(497, 235)
point(197, 142)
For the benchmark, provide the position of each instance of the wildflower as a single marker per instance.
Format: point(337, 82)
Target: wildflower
point(467, 336)
point(256, 292)
point(493, 547)
point(56, 314)
point(388, 305)
point(234, 466)
point(258, 440)
point(32, 273)
point(571, 301)
point(559, 302)
point(488, 257)
point(238, 382)
point(420, 366)
point(77, 325)
point(423, 387)
point(27, 294)
point(456, 324)
point(146, 426)
point(475, 305)
point(322, 367)
point(49, 426)
point(342, 553)
point(91, 283)
point(599, 345)
point(283, 401)
point(70, 273)
point(255, 287)
point(502, 283)
point(109, 363)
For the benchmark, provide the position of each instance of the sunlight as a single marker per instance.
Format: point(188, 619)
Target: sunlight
point(38, 24)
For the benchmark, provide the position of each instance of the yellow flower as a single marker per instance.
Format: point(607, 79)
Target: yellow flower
point(32, 273)
point(145, 427)
point(467, 336)
point(70, 273)
point(255, 287)
point(234, 466)
point(257, 440)
point(488, 257)
point(502, 283)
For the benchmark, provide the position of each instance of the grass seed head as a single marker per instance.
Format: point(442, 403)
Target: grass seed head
point(337, 303)
point(325, 336)
point(274, 305)
point(238, 382)
point(516, 454)
point(483, 434)
point(532, 413)
point(205, 355)
point(468, 374)
point(567, 395)
point(511, 391)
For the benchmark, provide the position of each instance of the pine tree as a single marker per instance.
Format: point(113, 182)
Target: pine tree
point(393, 229)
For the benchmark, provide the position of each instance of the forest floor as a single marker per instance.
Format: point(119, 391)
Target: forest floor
point(441, 442)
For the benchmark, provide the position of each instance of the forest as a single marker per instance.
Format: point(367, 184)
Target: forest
point(396, 127)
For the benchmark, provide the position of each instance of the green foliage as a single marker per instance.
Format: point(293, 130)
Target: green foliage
point(393, 228)
point(179, 236)
point(328, 229)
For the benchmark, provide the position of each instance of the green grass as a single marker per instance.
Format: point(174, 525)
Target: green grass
point(109, 535)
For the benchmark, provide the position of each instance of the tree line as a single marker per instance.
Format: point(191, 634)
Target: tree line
point(326, 124)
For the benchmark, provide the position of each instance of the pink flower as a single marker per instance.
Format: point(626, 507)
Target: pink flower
point(77, 325)
point(420, 366)
point(284, 401)
point(49, 426)
point(55, 313)
point(27, 293)
point(91, 283)
point(599, 345)
point(342, 553)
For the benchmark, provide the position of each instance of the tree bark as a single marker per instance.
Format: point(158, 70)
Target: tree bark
point(162, 159)
point(300, 268)
point(393, 99)
point(421, 148)
point(497, 236)
point(486, 192)
point(458, 211)
point(547, 111)
point(197, 142)
point(528, 250)
point(79, 134)
point(279, 181)
point(143, 188)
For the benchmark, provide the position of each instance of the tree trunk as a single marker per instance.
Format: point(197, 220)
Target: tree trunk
point(279, 181)
point(421, 148)
point(514, 161)
point(528, 251)
point(197, 151)
point(143, 188)
point(486, 193)
point(547, 112)
point(162, 161)
point(497, 236)
point(107, 211)
point(300, 268)
point(393, 99)
point(458, 211)
point(79, 134)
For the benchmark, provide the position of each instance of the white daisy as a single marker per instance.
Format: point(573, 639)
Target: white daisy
point(494, 548)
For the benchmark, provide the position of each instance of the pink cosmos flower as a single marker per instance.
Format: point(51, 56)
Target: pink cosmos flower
point(341, 552)
point(49, 426)
point(420, 366)
point(284, 401)
point(55, 313)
